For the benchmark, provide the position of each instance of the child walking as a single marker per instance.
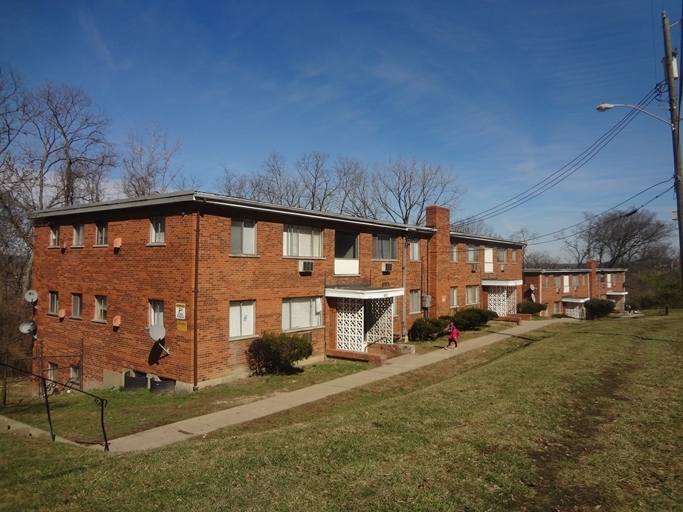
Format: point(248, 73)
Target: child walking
point(453, 334)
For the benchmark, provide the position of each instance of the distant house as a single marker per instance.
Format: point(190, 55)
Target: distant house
point(176, 286)
point(565, 290)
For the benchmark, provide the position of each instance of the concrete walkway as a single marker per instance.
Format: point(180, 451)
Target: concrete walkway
point(198, 426)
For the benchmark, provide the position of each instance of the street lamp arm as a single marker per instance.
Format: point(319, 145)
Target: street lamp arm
point(603, 107)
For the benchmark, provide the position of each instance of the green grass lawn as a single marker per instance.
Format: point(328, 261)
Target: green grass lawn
point(579, 416)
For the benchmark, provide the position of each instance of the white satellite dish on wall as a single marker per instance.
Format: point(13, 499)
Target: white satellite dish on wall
point(157, 332)
point(31, 296)
point(27, 327)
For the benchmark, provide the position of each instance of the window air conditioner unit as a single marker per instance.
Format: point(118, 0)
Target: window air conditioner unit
point(387, 267)
point(475, 267)
point(557, 290)
point(502, 267)
point(305, 266)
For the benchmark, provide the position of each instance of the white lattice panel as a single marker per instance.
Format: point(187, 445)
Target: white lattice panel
point(503, 300)
point(350, 315)
point(380, 321)
point(575, 311)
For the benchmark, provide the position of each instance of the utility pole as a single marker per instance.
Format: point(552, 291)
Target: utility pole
point(671, 71)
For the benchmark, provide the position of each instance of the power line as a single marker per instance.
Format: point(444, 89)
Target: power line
point(565, 171)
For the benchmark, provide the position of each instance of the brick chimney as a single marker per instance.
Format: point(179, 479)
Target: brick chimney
point(439, 260)
point(593, 279)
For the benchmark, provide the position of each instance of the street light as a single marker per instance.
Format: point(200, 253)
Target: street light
point(678, 173)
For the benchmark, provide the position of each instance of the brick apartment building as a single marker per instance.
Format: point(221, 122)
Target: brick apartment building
point(216, 272)
point(565, 290)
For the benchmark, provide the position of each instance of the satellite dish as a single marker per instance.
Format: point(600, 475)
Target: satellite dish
point(157, 332)
point(31, 296)
point(27, 327)
point(533, 298)
point(532, 287)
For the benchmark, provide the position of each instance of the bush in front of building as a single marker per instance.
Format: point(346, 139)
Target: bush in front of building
point(427, 328)
point(473, 318)
point(598, 308)
point(530, 308)
point(276, 353)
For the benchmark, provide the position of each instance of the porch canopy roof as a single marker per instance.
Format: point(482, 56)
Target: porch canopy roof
point(617, 293)
point(579, 300)
point(501, 282)
point(362, 292)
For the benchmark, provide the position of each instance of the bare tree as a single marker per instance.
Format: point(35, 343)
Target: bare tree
point(477, 227)
point(234, 184)
point(619, 237)
point(403, 189)
point(275, 184)
point(319, 184)
point(354, 195)
point(65, 148)
point(13, 111)
point(147, 163)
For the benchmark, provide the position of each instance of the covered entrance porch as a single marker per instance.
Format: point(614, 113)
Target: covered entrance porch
point(502, 295)
point(364, 316)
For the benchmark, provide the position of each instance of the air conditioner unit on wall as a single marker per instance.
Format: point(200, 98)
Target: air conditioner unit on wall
point(387, 267)
point(502, 267)
point(475, 267)
point(305, 266)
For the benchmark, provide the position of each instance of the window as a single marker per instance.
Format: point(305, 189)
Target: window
point(414, 250)
point(583, 278)
point(157, 230)
point(302, 241)
point(514, 255)
point(454, 253)
point(575, 280)
point(76, 305)
point(346, 245)
point(75, 373)
point(472, 254)
point(472, 295)
point(394, 306)
point(52, 369)
point(243, 236)
point(545, 281)
point(557, 308)
point(384, 247)
point(301, 312)
point(242, 321)
point(454, 296)
point(156, 312)
point(502, 255)
point(558, 281)
point(54, 303)
point(100, 308)
point(101, 235)
point(78, 235)
point(415, 305)
point(54, 236)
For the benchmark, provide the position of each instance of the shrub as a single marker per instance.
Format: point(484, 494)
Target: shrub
point(469, 319)
point(277, 353)
point(427, 328)
point(530, 308)
point(598, 308)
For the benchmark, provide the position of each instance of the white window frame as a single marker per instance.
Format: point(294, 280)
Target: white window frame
point(384, 247)
point(415, 301)
point(414, 250)
point(302, 241)
point(155, 312)
point(54, 236)
point(514, 255)
point(79, 230)
point(242, 319)
point(472, 290)
point(54, 303)
point(454, 296)
point(101, 234)
point(76, 305)
point(472, 253)
point(454, 253)
point(100, 308)
point(301, 313)
point(157, 230)
point(557, 281)
point(243, 237)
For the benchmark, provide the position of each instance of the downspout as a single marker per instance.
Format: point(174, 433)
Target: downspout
point(404, 331)
point(195, 387)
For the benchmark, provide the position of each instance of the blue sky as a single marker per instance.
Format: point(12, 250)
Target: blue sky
point(500, 93)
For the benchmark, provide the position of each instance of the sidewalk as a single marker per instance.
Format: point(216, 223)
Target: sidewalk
point(200, 425)
point(186, 429)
